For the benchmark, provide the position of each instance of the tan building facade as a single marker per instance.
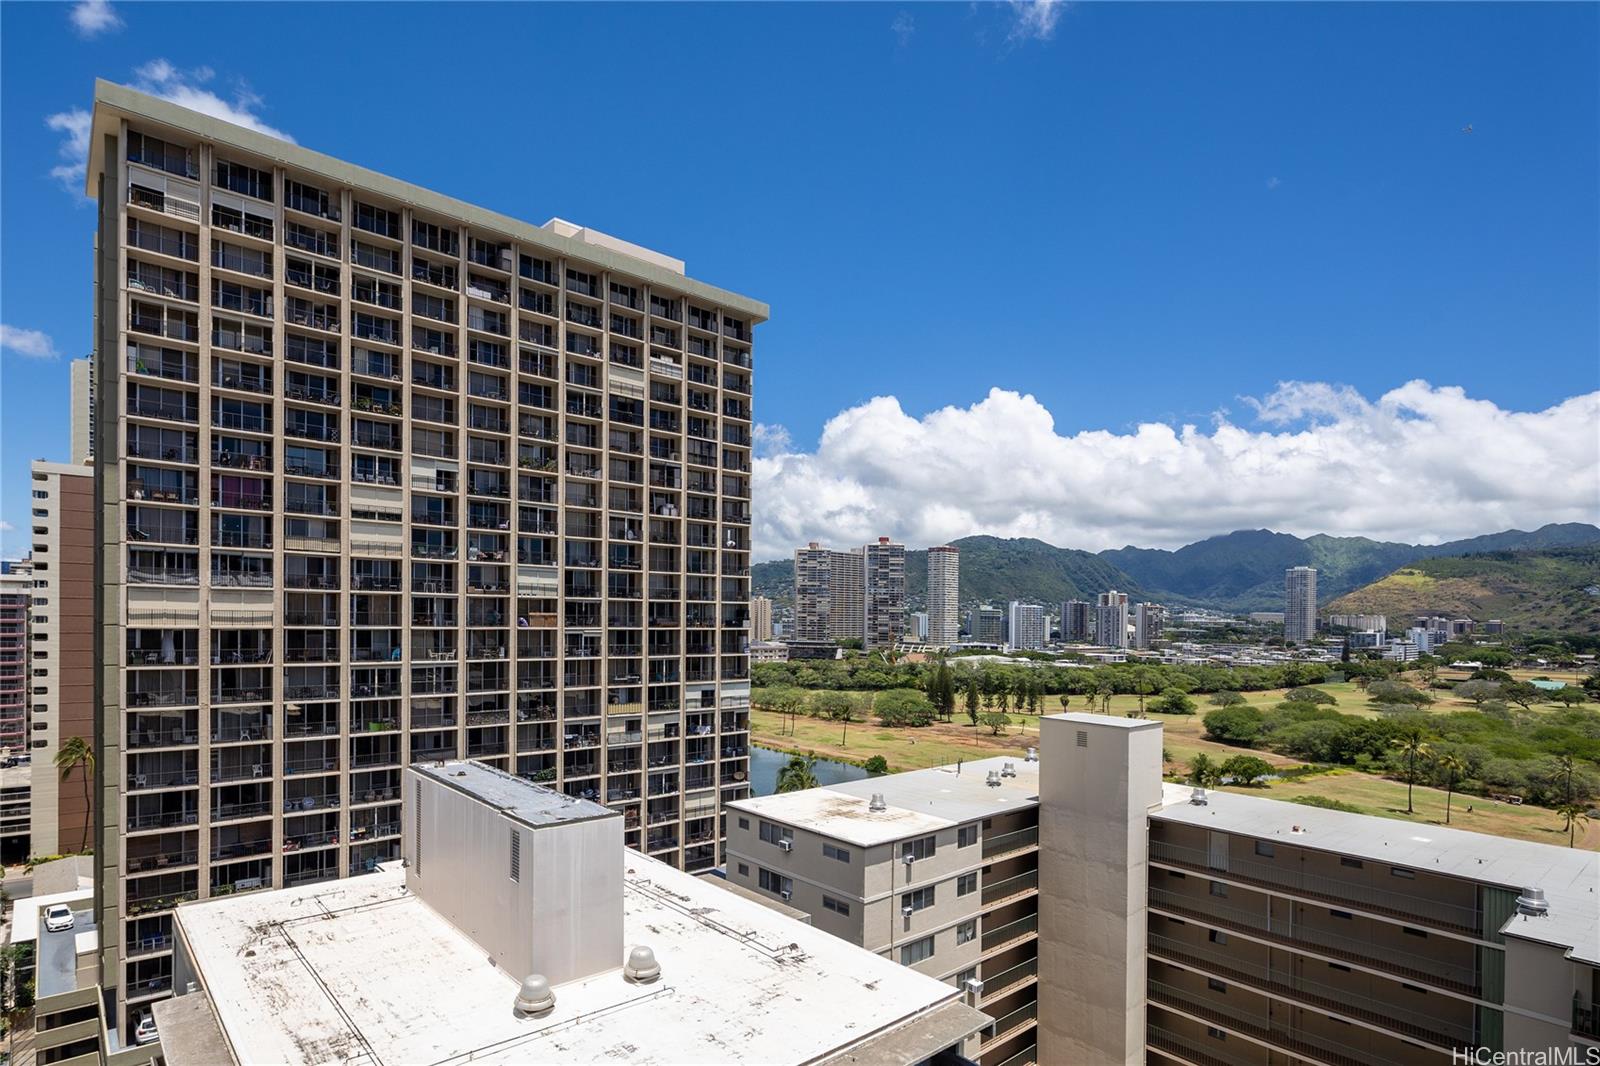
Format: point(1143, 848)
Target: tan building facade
point(63, 703)
point(944, 595)
point(386, 478)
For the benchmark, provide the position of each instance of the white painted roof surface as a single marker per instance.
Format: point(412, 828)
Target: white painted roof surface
point(359, 971)
point(511, 795)
point(918, 801)
point(1570, 877)
point(25, 920)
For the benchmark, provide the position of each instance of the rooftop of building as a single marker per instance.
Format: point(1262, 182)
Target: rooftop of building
point(56, 956)
point(915, 802)
point(511, 796)
point(557, 236)
point(350, 970)
point(1569, 877)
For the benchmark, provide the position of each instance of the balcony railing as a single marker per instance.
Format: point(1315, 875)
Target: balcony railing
point(993, 938)
point(1010, 887)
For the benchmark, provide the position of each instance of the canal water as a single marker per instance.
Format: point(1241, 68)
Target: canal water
point(765, 764)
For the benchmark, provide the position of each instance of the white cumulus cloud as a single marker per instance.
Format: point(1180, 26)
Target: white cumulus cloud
point(92, 17)
point(73, 125)
point(30, 343)
point(1422, 463)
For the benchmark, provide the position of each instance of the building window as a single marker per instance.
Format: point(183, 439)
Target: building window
point(1216, 985)
point(967, 884)
point(744, 871)
point(1354, 864)
point(966, 836)
point(967, 931)
point(1264, 848)
point(1219, 890)
point(1395, 871)
point(773, 834)
point(921, 848)
point(916, 951)
point(1346, 915)
point(744, 823)
point(1216, 1034)
point(777, 884)
point(920, 899)
point(838, 906)
point(1217, 936)
point(836, 853)
point(1413, 932)
point(969, 974)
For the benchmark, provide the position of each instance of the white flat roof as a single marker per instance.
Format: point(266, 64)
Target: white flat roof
point(1570, 877)
point(917, 801)
point(25, 912)
point(359, 970)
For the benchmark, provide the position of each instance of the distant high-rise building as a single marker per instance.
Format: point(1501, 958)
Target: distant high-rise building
point(884, 594)
point(944, 588)
point(1111, 619)
point(62, 642)
point(1300, 604)
point(1148, 618)
point(987, 625)
point(16, 598)
point(829, 589)
point(1360, 622)
point(1026, 629)
point(760, 618)
point(917, 626)
point(82, 413)
point(1077, 621)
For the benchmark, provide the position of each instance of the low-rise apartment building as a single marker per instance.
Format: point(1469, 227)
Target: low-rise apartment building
point(934, 869)
point(1186, 927)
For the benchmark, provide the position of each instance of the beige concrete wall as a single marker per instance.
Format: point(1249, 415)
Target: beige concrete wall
point(1540, 986)
point(1099, 778)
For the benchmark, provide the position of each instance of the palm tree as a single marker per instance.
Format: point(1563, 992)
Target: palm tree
point(1413, 746)
point(797, 774)
point(1573, 816)
point(1453, 768)
point(1202, 771)
point(1561, 770)
point(74, 753)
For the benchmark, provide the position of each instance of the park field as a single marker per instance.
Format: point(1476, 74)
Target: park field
point(941, 743)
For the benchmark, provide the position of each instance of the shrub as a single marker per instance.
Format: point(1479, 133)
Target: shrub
point(876, 765)
point(1226, 699)
point(1247, 770)
point(1173, 702)
point(996, 721)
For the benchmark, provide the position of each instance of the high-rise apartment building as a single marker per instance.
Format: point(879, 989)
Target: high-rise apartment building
point(62, 704)
point(829, 595)
point(1111, 619)
point(1077, 621)
point(1300, 604)
point(1025, 626)
point(988, 625)
point(16, 604)
point(82, 414)
point(760, 618)
point(884, 596)
point(384, 477)
point(944, 595)
point(1148, 620)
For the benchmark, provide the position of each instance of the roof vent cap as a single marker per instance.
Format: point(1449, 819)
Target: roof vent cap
point(1008, 770)
point(1198, 797)
point(993, 780)
point(642, 966)
point(535, 997)
point(1532, 903)
point(1033, 754)
point(877, 803)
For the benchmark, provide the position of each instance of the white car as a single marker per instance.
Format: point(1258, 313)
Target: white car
point(145, 1031)
point(57, 917)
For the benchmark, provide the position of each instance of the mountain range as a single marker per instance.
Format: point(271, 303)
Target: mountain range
point(1239, 571)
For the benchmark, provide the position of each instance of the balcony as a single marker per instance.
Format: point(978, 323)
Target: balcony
point(1010, 933)
point(1000, 892)
point(1009, 843)
point(1010, 1024)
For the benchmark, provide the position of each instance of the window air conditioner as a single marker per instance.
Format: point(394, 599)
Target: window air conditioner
point(786, 845)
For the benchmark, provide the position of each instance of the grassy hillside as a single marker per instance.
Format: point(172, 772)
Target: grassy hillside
point(1558, 589)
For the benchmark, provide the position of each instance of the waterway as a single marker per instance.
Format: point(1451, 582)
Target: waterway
point(765, 764)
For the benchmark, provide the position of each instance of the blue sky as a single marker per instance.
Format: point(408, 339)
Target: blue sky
point(1133, 213)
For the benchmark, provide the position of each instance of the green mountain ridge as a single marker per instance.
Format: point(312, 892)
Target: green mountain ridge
point(1239, 571)
point(1546, 589)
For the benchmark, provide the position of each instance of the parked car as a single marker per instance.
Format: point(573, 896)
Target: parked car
point(145, 1031)
point(57, 917)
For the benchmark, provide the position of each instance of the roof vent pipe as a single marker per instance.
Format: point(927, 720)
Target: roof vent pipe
point(1198, 797)
point(993, 780)
point(1008, 770)
point(1532, 903)
point(642, 967)
point(877, 803)
point(534, 997)
point(1033, 754)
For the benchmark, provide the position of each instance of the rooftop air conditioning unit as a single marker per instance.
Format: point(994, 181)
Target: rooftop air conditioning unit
point(786, 845)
